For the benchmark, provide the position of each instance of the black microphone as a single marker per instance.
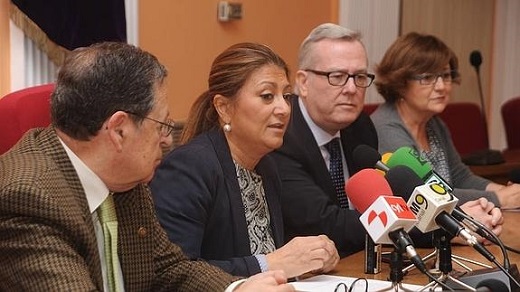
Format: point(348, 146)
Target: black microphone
point(485, 156)
point(367, 157)
point(425, 203)
point(475, 58)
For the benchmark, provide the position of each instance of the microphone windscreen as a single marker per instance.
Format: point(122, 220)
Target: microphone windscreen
point(410, 157)
point(514, 176)
point(365, 156)
point(475, 58)
point(364, 187)
point(402, 181)
point(385, 157)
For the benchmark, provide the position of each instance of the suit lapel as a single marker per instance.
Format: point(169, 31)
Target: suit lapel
point(303, 138)
point(233, 190)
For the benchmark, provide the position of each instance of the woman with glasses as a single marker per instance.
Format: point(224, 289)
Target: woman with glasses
point(218, 195)
point(416, 77)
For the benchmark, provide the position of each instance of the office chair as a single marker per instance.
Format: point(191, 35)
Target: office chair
point(467, 127)
point(22, 110)
point(511, 117)
point(469, 132)
point(369, 108)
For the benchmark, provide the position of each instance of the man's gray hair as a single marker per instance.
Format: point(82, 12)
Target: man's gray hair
point(324, 31)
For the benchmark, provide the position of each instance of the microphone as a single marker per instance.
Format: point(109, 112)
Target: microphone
point(367, 157)
point(433, 205)
point(385, 217)
point(475, 59)
point(403, 181)
point(486, 156)
point(410, 157)
point(385, 157)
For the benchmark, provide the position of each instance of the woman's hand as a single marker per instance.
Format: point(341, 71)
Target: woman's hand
point(486, 213)
point(304, 254)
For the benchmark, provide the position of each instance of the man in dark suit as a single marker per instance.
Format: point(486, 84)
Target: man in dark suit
point(109, 121)
point(331, 84)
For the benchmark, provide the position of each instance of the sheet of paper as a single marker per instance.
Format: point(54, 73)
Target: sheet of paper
point(324, 283)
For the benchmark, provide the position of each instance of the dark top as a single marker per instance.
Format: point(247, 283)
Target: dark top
point(309, 202)
point(199, 204)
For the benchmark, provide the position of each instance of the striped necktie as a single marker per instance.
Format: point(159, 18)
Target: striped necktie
point(336, 171)
point(107, 216)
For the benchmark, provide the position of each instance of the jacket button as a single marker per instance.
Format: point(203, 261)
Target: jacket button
point(142, 231)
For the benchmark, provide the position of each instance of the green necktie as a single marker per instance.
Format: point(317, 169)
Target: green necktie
point(108, 219)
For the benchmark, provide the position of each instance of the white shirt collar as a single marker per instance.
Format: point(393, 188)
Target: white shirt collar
point(319, 134)
point(95, 189)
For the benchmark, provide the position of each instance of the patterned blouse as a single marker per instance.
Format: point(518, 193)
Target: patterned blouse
point(436, 156)
point(256, 211)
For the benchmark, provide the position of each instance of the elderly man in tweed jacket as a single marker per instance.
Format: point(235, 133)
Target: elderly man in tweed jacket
point(109, 122)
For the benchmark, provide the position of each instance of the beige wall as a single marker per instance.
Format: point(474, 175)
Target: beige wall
point(4, 48)
point(465, 25)
point(186, 36)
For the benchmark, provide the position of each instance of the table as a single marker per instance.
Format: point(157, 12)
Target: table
point(499, 173)
point(353, 266)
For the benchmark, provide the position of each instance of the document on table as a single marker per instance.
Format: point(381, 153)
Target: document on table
point(324, 283)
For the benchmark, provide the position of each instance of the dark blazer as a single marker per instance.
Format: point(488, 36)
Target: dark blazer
point(198, 202)
point(309, 202)
point(48, 242)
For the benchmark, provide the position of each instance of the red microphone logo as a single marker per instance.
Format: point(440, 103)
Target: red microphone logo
point(382, 216)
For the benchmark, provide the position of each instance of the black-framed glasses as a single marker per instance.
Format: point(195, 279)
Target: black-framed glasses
point(166, 127)
point(431, 78)
point(339, 78)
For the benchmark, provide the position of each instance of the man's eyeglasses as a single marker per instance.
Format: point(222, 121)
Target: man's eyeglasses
point(166, 127)
point(338, 78)
point(430, 78)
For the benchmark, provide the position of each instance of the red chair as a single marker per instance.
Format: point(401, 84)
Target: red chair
point(511, 117)
point(22, 110)
point(369, 108)
point(467, 127)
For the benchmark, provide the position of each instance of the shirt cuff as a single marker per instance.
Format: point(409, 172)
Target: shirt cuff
point(262, 262)
point(233, 285)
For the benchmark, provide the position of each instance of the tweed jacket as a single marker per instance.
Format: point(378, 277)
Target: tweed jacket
point(48, 242)
point(309, 202)
point(199, 203)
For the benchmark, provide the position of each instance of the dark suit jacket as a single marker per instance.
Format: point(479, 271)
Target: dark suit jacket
point(309, 202)
point(48, 242)
point(198, 202)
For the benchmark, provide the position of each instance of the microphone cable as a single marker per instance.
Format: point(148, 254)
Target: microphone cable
point(489, 235)
point(484, 231)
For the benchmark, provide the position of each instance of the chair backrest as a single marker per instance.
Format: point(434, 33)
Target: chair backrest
point(511, 117)
point(22, 110)
point(467, 127)
point(369, 108)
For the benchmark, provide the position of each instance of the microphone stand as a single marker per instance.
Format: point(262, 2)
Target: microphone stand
point(436, 254)
point(396, 272)
point(486, 156)
point(442, 243)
